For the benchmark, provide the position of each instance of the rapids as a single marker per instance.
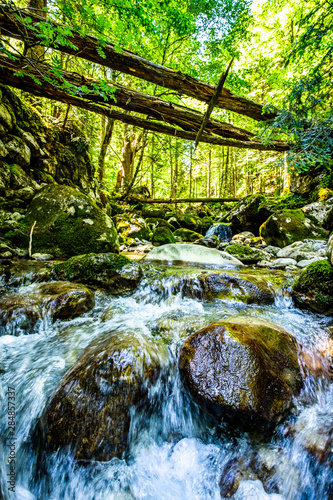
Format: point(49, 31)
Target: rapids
point(175, 451)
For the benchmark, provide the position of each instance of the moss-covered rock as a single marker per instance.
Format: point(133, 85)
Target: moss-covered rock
point(155, 222)
point(67, 223)
point(241, 369)
point(131, 227)
point(288, 226)
point(60, 300)
point(313, 289)
point(91, 409)
point(187, 235)
point(114, 272)
point(162, 236)
point(246, 254)
point(250, 213)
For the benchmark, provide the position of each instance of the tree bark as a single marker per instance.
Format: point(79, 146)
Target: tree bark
point(8, 69)
point(105, 144)
point(129, 63)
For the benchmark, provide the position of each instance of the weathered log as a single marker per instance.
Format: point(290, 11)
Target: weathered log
point(27, 84)
point(130, 100)
point(12, 25)
point(133, 199)
point(212, 104)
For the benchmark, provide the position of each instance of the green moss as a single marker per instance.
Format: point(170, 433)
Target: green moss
point(90, 266)
point(316, 276)
point(239, 249)
point(162, 235)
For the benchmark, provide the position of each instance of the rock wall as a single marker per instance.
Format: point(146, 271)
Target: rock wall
point(33, 153)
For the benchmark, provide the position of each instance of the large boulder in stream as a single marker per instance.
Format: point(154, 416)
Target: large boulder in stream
point(60, 300)
point(114, 272)
point(313, 289)
point(288, 226)
point(191, 254)
point(250, 213)
point(247, 254)
point(241, 369)
point(91, 409)
point(67, 223)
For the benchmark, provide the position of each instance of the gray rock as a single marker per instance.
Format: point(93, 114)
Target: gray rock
point(329, 250)
point(272, 250)
point(241, 237)
point(42, 256)
point(306, 262)
point(191, 254)
point(18, 151)
point(284, 262)
point(316, 212)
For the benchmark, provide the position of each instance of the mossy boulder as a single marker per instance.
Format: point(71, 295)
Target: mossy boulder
point(212, 285)
point(131, 227)
point(67, 223)
point(162, 236)
point(114, 272)
point(285, 227)
point(250, 213)
point(155, 212)
point(246, 254)
point(190, 221)
point(313, 289)
point(156, 222)
point(242, 370)
point(59, 300)
point(91, 409)
point(187, 235)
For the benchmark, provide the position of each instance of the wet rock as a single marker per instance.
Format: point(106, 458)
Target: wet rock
point(208, 241)
point(61, 300)
point(187, 235)
point(42, 256)
point(222, 231)
point(272, 250)
point(250, 213)
point(91, 409)
point(306, 262)
point(288, 226)
point(217, 285)
point(68, 223)
point(23, 272)
point(246, 254)
point(114, 272)
point(314, 288)
point(303, 249)
point(162, 235)
point(241, 369)
point(194, 254)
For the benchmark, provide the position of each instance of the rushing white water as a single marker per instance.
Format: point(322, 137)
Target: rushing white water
point(175, 451)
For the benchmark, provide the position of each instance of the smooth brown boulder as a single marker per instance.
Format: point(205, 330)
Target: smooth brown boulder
point(91, 409)
point(241, 369)
point(57, 300)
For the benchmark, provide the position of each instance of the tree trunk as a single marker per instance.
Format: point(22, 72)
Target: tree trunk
point(105, 144)
point(209, 171)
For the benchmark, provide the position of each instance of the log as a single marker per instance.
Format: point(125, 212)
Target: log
point(27, 84)
point(129, 100)
point(133, 199)
point(12, 25)
point(212, 104)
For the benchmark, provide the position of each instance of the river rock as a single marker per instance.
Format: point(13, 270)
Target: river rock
point(90, 410)
point(282, 263)
point(246, 254)
point(131, 227)
point(241, 369)
point(193, 254)
point(218, 285)
point(67, 223)
point(162, 235)
point(114, 272)
point(211, 241)
point(60, 300)
point(303, 249)
point(243, 237)
point(187, 235)
point(288, 226)
point(250, 214)
point(314, 288)
point(316, 212)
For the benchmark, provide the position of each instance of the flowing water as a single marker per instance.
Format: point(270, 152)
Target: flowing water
point(175, 451)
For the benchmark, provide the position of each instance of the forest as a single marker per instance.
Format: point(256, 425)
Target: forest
point(166, 249)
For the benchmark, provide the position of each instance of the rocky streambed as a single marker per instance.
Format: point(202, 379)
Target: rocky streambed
point(151, 381)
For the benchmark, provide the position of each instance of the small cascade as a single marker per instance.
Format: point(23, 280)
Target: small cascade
point(222, 231)
point(174, 450)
